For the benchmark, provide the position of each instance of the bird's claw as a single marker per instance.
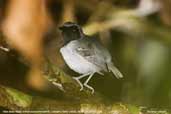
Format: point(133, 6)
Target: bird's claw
point(89, 87)
point(80, 84)
point(81, 88)
point(85, 84)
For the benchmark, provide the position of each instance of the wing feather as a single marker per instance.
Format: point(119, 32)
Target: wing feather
point(92, 52)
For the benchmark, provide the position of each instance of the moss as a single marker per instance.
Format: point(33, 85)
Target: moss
point(133, 109)
point(18, 98)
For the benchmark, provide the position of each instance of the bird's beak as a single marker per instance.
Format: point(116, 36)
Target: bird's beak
point(61, 27)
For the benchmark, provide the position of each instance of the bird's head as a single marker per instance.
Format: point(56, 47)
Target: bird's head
point(71, 31)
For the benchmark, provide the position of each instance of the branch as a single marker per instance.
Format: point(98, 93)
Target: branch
point(129, 22)
point(15, 100)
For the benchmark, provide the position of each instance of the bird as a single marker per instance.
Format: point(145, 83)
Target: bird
point(85, 55)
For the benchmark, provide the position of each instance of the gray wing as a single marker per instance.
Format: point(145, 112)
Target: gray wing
point(93, 52)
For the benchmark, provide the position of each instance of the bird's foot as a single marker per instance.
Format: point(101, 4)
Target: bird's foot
point(89, 87)
point(100, 73)
point(78, 81)
point(85, 83)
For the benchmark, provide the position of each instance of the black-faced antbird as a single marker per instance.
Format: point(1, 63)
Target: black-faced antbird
point(85, 55)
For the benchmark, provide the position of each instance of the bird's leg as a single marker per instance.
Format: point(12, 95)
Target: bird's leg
point(78, 80)
point(86, 83)
point(100, 73)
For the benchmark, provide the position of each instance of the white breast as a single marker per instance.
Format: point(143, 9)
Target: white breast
point(77, 62)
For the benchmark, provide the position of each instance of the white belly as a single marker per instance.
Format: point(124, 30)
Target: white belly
point(77, 62)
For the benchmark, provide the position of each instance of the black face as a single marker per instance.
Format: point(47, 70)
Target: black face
point(71, 31)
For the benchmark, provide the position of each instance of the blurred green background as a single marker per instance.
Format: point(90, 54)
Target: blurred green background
point(136, 32)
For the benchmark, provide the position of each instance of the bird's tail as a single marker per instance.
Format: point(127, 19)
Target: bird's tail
point(114, 70)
